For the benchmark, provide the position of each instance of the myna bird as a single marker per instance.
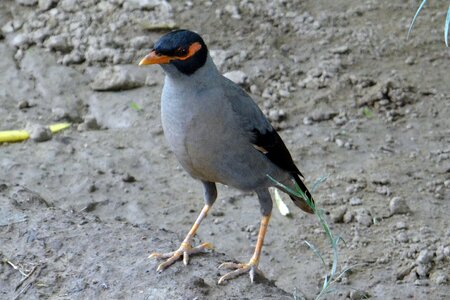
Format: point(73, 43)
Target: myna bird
point(219, 135)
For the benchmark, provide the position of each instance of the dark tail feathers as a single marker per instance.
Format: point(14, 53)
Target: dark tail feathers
point(300, 202)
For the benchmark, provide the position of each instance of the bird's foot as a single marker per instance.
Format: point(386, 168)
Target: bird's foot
point(251, 268)
point(185, 250)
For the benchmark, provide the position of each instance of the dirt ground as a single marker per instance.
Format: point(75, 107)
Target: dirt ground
point(353, 99)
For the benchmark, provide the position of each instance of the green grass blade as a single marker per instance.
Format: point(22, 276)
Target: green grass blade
point(316, 251)
point(415, 16)
point(447, 24)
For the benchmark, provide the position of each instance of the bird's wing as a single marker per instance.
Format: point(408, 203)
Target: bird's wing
point(260, 132)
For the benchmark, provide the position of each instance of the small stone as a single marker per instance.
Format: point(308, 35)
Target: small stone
point(45, 4)
point(337, 215)
point(58, 43)
point(410, 60)
point(423, 270)
point(339, 143)
point(398, 205)
point(402, 237)
point(348, 217)
point(400, 225)
point(115, 79)
point(69, 5)
point(27, 2)
point(422, 282)
point(403, 271)
point(354, 201)
point(237, 77)
point(20, 40)
point(425, 256)
point(39, 133)
point(439, 277)
point(358, 295)
point(23, 104)
point(141, 42)
point(307, 121)
point(128, 178)
point(363, 217)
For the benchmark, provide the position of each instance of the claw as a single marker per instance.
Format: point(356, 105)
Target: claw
point(185, 249)
point(250, 267)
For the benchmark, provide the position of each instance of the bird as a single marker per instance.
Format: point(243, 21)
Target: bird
point(219, 135)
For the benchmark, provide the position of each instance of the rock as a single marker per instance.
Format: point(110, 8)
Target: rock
point(141, 42)
point(354, 201)
point(237, 77)
point(46, 4)
point(363, 217)
point(90, 123)
point(69, 5)
point(423, 270)
point(400, 225)
point(337, 215)
point(58, 43)
point(348, 217)
point(219, 57)
point(398, 205)
point(39, 133)
point(128, 178)
point(115, 79)
point(21, 40)
point(27, 2)
point(23, 104)
point(402, 237)
point(439, 277)
point(403, 271)
point(358, 295)
point(425, 256)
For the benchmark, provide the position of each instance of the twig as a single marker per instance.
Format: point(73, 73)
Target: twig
point(26, 276)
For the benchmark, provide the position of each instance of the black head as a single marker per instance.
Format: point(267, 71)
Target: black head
point(184, 49)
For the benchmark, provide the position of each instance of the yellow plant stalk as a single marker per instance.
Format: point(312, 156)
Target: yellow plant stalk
point(10, 136)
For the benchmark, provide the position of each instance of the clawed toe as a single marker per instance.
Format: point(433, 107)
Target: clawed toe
point(185, 250)
point(240, 268)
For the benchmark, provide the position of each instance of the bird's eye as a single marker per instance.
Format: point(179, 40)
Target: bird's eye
point(181, 51)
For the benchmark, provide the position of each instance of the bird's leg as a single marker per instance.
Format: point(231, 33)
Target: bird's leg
point(252, 266)
point(185, 248)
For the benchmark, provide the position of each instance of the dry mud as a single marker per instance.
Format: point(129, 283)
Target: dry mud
point(353, 99)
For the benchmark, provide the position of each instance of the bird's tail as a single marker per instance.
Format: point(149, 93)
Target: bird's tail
point(300, 202)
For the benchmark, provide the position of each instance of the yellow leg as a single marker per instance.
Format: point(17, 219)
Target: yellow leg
point(185, 248)
point(252, 266)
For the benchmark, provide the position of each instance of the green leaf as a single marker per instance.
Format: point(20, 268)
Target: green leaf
point(135, 106)
point(367, 112)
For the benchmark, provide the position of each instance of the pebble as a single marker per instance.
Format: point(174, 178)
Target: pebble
point(20, 40)
point(425, 256)
point(439, 277)
point(128, 178)
point(58, 43)
point(337, 215)
point(354, 201)
point(46, 4)
point(39, 133)
point(23, 104)
point(348, 217)
point(238, 77)
point(402, 237)
point(398, 205)
point(359, 295)
point(363, 217)
point(114, 79)
point(27, 2)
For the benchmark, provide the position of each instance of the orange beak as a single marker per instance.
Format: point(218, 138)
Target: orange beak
point(153, 58)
